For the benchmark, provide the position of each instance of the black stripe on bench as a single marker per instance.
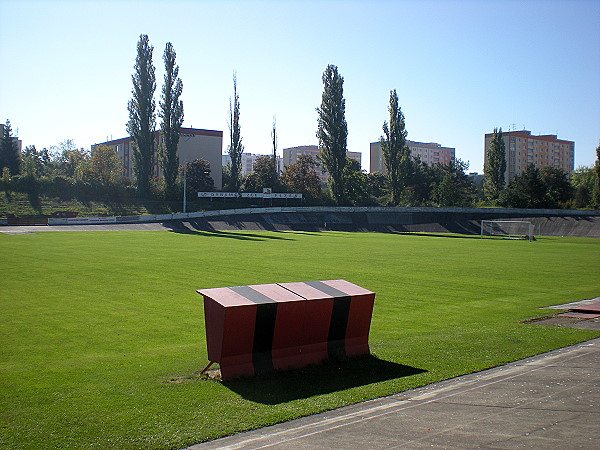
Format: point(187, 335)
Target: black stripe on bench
point(264, 328)
point(336, 338)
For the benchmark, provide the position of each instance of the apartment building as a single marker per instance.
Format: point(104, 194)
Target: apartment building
point(428, 152)
point(522, 149)
point(290, 156)
point(194, 143)
point(248, 160)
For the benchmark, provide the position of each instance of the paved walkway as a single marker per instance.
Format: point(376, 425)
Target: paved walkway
point(546, 401)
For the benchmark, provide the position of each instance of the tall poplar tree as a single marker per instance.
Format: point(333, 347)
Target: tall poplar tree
point(9, 151)
point(274, 141)
point(236, 148)
point(396, 155)
point(142, 118)
point(171, 113)
point(495, 166)
point(596, 191)
point(332, 131)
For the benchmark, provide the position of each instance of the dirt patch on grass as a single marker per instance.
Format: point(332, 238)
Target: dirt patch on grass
point(576, 315)
point(567, 320)
point(213, 374)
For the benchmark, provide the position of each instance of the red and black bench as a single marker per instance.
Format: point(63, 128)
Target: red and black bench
point(256, 329)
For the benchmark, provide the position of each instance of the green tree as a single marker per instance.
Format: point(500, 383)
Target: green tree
point(236, 148)
point(332, 131)
point(494, 167)
point(66, 144)
point(31, 164)
point(274, 157)
point(9, 151)
point(355, 184)
point(67, 162)
point(420, 181)
point(596, 192)
point(583, 180)
point(171, 113)
point(558, 189)
point(452, 186)
point(526, 190)
point(105, 167)
point(226, 175)
point(198, 177)
point(252, 183)
point(142, 119)
point(262, 175)
point(396, 155)
point(444, 193)
point(59, 160)
point(36, 163)
point(377, 184)
point(301, 177)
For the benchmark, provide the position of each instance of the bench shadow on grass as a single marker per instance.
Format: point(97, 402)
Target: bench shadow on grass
point(281, 387)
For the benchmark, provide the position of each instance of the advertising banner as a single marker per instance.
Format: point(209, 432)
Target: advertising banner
point(266, 194)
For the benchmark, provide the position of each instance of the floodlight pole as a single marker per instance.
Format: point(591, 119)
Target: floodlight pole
point(184, 189)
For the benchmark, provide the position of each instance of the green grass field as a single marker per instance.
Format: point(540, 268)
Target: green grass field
point(102, 333)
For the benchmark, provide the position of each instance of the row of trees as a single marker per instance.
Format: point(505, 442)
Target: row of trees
point(70, 172)
point(67, 171)
point(101, 165)
point(407, 180)
point(142, 117)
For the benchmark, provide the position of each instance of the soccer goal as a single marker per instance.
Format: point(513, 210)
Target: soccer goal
point(508, 229)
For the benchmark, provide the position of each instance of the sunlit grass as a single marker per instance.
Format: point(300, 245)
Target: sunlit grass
point(102, 333)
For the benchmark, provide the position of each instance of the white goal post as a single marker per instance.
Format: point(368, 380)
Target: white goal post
point(509, 229)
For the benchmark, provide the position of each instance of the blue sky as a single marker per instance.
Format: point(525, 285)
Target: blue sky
point(460, 68)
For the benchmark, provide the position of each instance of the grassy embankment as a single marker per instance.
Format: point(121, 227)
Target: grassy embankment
point(23, 205)
point(102, 333)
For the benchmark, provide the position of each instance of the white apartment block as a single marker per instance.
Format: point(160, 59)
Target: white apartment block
point(290, 156)
point(428, 152)
point(248, 160)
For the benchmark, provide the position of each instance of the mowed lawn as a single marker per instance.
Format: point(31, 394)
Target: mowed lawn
point(102, 333)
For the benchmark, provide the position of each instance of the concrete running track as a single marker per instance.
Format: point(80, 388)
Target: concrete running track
point(546, 401)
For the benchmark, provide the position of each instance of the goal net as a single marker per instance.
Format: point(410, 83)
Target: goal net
point(507, 229)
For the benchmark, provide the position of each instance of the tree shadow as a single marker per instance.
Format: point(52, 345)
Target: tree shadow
point(285, 386)
point(203, 228)
point(307, 233)
point(34, 200)
point(438, 235)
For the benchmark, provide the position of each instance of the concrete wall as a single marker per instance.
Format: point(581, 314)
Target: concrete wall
point(428, 220)
point(206, 146)
point(443, 220)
